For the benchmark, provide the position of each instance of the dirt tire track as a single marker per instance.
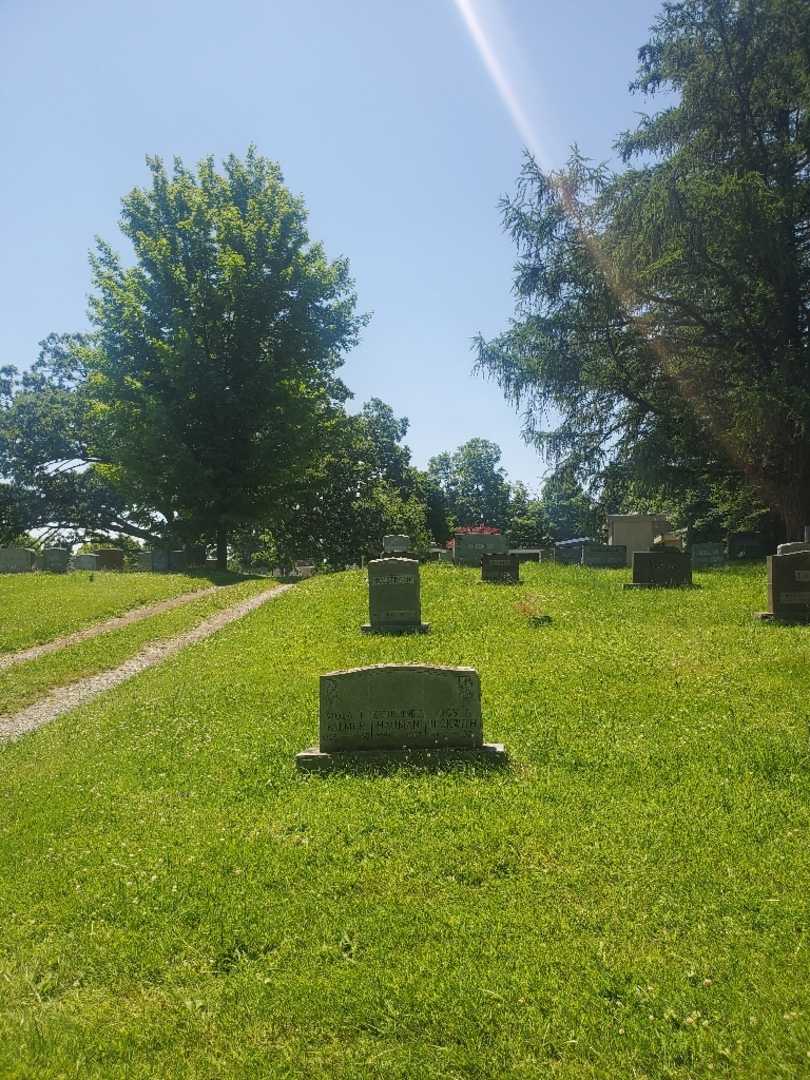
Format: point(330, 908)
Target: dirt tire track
point(65, 698)
point(33, 652)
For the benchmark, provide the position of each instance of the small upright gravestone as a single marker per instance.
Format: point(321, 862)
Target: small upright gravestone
point(794, 545)
point(87, 560)
point(16, 560)
point(501, 568)
point(396, 544)
point(788, 587)
point(394, 601)
point(398, 711)
point(664, 568)
point(469, 547)
point(708, 553)
point(110, 559)
point(604, 556)
point(55, 560)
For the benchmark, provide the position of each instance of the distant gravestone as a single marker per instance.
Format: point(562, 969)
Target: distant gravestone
point(789, 548)
point(746, 545)
point(501, 568)
point(396, 544)
point(156, 561)
point(807, 534)
point(569, 552)
point(391, 711)
point(664, 568)
point(788, 587)
point(707, 554)
point(16, 560)
point(394, 601)
point(55, 560)
point(178, 561)
point(605, 556)
point(110, 559)
point(469, 547)
point(87, 560)
point(527, 554)
point(445, 556)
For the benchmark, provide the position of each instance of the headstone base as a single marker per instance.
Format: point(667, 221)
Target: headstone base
point(394, 628)
point(314, 760)
point(768, 616)
point(655, 585)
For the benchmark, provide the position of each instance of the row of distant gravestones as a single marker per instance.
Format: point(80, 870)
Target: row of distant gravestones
point(59, 560)
point(394, 711)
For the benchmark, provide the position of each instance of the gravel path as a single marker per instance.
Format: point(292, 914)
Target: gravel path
point(128, 617)
point(65, 698)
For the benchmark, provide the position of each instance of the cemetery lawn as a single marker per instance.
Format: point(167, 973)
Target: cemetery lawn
point(24, 683)
point(35, 608)
point(630, 898)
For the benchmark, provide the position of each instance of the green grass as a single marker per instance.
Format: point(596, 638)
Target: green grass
point(629, 899)
point(35, 608)
point(24, 683)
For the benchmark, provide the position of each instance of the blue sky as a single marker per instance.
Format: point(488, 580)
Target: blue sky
point(384, 116)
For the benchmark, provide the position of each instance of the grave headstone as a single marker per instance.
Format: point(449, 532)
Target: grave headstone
point(501, 568)
point(746, 545)
point(396, 711)
point(794, 545)
point(178, 561)
point(55, 560)
point(807, 534)
point(606, 556)
point(394, 601)
point(87, 560)
point(469, 547)
point(396, 544)
point(708, 553)
point(635, 532)
point(527, 554)
point(445, 557)
point(789, 587)
point(664, 568)
point(569, 552)
point(110, 559)
point(16, 560)
point(157, 560)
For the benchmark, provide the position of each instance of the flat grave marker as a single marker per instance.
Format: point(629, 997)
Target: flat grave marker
point(391, 712)
point(394, 600)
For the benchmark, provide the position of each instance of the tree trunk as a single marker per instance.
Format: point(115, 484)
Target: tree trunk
point(222, 548)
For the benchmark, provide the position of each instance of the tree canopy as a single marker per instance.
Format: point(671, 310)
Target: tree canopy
point(195, 406)
point(663, 312)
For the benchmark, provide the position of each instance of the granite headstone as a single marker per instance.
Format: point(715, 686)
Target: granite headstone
point(390, 711)
point(394, 599)
point(16, 560)
point(501, 568)
point(664, 568)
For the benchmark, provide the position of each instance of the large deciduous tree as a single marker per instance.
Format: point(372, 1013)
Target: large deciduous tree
point(198, 398)
point(473, 484)
point(664, 312)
